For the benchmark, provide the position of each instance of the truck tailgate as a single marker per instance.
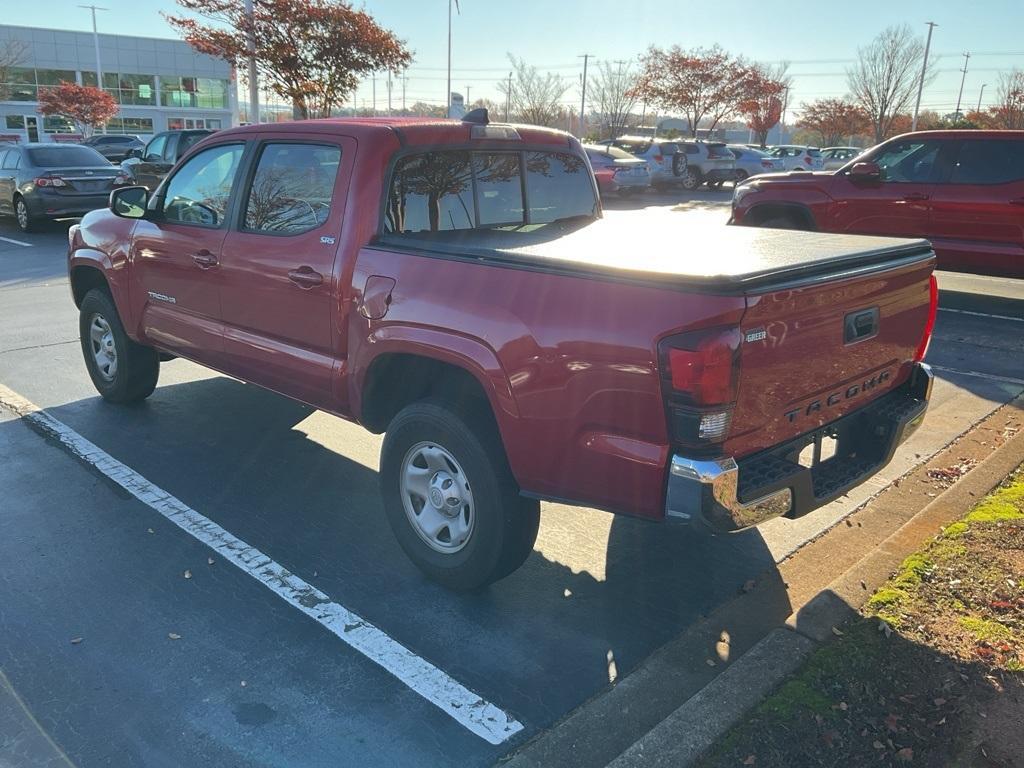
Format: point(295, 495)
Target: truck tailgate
point(812, 353)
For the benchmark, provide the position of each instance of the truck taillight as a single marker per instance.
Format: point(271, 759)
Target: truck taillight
point(700, 371)
point(929, 326)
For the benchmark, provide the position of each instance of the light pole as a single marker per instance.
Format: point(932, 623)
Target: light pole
point(967, 59)
point(389, 93)
point(583, 99)
point(254, 85)
point(468, 102)
point(96, 42)
point(508, 96)
point(924, 70)
point(982, 93)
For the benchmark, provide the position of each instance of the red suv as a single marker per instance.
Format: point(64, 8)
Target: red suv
point(963, 190)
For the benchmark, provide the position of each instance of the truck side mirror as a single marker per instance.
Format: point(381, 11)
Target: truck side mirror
point(865, 171)
point(129, 202)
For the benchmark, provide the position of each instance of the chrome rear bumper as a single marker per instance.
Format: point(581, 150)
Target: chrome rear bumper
point(731, 495)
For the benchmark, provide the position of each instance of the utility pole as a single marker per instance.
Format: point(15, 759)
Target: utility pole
point(468, 102)
point(448, 95)
point(373, 80)
point(982, 93)
point(508, 96)
point(96, 42)
point(583, 99)
point(782, 119)
point(967, 59)
point(924, 70)
point(389, 93)
point(405, 80)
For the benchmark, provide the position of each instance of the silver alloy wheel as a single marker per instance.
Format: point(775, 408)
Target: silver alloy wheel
point(437, 497)
point(104, 350)
point(21, 211)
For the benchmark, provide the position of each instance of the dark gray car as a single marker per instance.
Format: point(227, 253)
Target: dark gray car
point(52, 181)
point(148, 167)
point(114, 148)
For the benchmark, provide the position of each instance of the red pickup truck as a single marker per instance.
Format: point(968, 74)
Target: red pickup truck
point(963, 190)
point(455, 285)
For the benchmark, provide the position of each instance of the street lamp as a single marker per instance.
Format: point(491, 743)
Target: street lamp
point(96, 41)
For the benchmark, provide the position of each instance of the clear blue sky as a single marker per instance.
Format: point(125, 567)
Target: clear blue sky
point(820, 39)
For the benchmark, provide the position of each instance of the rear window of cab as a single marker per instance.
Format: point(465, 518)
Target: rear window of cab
point(502, 191)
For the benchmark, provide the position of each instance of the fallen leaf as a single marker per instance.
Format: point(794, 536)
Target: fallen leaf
point(837, 632)
point(843, 706)
point(906, 754)
point(76, 640)
point(938, 702)
point(187, 574)
point(174, 636)
point(878, 745)
point(150, 530)
point(209, 561)
point(709, 662)
point(244, 683)
point(750, 760)
point(749, 585)
point(829, 737)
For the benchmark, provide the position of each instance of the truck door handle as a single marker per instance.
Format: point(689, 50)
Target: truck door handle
point(204, 259)
point(305, 277)
point(1017, 201)
point(914, 196)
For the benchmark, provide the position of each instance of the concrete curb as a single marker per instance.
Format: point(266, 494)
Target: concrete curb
point(684, 735)
point(693, 728)
point(832, 606)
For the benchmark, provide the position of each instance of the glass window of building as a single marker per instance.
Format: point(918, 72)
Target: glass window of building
point(20, 85)
point(199, 92)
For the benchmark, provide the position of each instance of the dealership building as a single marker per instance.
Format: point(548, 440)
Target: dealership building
point(158, 84)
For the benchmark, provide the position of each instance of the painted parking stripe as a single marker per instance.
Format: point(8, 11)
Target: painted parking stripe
point(982, 314)
point(12, 241)
point(458, 702)
point(979, 375)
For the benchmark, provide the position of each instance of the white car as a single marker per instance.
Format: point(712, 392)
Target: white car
point(798, 158)
point(836, 157)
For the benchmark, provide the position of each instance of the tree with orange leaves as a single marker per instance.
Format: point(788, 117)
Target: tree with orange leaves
point(87, 107)
point(763, 102)
point(311, 53)
point(833, 120)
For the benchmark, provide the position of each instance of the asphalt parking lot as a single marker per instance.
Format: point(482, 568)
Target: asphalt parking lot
point(130, 640)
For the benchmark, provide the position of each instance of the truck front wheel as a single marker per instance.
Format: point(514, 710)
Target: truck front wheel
point(121, 370)
point(450, 496)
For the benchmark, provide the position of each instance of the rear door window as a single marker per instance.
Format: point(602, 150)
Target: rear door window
point(292, 188)
point(460, 190)
point(155, 149)
point(200, 191)
point(989, 162)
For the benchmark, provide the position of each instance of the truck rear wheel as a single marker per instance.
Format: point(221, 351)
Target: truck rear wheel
point(121, 370)
point(450, 496)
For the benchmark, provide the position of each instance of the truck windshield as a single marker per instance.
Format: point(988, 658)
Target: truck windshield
point(460, 190)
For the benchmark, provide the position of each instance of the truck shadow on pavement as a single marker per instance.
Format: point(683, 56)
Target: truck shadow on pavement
point(596, 598)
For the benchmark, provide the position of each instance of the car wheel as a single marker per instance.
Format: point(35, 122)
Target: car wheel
point(26, 221)
point(741, 174)
point(692, 179)
point(121, 370)
point(714, 185)
point(450, 497)
point(780, 222)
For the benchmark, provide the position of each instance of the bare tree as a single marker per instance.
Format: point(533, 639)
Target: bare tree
point(1009, 110)
point(885, 78)
point(12, 54)
point(614, 95)
point(534, 97)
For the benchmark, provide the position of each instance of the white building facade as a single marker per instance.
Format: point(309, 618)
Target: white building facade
point(158, 84)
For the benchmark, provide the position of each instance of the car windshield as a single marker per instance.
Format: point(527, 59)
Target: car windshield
point(65, 157)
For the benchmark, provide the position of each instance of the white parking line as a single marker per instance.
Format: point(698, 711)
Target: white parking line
point(465, 707)
point(15, 242)
point(982, 314)
point(979, 375)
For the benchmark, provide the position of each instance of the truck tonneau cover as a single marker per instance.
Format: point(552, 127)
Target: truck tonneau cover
point(664, 248)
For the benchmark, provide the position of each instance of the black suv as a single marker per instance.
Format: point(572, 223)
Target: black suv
point(148, 167)
point(114, 148)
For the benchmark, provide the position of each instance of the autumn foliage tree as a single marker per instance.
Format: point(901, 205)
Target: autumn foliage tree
point(87, 107)
point(833, 120)
point(704, 84)
point(1009, 112)
point(762, 103)
point(312, 53)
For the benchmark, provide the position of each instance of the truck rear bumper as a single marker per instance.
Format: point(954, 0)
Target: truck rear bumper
point(731, 495)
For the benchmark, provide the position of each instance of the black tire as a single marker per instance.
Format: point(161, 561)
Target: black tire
point(780, 222)
point(504, 525)
point(741, 175)
point(692, 179)
point(715, 184)
point(137, 366)
point(26, 221)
